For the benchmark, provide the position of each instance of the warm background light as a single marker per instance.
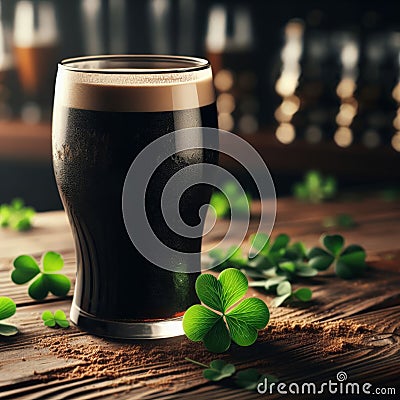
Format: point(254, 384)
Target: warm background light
point(343, 137)
point(285, 133)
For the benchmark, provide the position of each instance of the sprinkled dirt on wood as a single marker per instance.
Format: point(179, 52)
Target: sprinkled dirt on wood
point(115, 359)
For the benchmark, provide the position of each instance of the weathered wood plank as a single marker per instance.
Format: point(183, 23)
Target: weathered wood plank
point(373, 300)
point(378, 230)
point(379, 353)
point(331, 302)
point(51, 231)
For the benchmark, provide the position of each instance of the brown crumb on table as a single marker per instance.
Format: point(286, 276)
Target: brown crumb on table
point(137, 362)
point(328, 337)
point(106, 358)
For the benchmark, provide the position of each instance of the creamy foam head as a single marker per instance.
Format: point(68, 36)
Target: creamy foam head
point(137, 83)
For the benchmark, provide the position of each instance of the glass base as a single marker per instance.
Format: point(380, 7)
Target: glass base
point(125, 330)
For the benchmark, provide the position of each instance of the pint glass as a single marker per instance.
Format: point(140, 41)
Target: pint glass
point(107, 109)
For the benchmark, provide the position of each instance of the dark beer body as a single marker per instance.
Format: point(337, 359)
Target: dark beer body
point(93, 151)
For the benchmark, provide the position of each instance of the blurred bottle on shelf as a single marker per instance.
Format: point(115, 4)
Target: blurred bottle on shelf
point(287, 83)
point(188, 17)
point(393, 87)
point(117, 25)
point(230, 49)
point(373, 101)
point(35, 52)
point(339, 82)
point(348, 53)
point(160, 26)
point(314, 91)
point(93, 29)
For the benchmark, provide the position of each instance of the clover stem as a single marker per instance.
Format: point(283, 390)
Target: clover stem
point(197, 363)
point(257, 284)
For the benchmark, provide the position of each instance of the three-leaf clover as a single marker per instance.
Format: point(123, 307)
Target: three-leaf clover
point(263, 254)
point(16, 216)
point(315, 187)
point(250, 378)
point(285, 258)
point(246, 379)
point(26, 268)
point(221, 319)
point(284, 291)
point(52, 320)
point(261, 244)
point(217, 370)
point(7, 310)
point(349, 262)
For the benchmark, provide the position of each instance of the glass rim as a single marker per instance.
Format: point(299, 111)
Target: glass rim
point(194, 64)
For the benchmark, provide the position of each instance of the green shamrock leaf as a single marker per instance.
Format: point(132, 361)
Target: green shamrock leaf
point(250, 378)
point(26, 268)
point(218, 370)
point(320, 259)
point(315, 187)
point(278, 258)
point(57, 319)
point(269, 283)
point(57, 284)
point(241, 204)
point(220, 204)
point(16, 215)
point(265, 254)
point(246, 379)
point(287, 258)
point(233, 257)
point(303, 294)
point(334, 243)
point(259, 264)
point(260, 244)
point(38, 289)
point(223, 319)
point(305, 270)
point(246, 319)
point(52, 261)
point(284, 292)
point(230, 199)
point(280, 243)
point(349, 262)
point(239, 201)
point(7, 310)
point(287, 266)
point(265, 258)
point(296, 252)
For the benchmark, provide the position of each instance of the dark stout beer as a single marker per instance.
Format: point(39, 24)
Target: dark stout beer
point(103, 118)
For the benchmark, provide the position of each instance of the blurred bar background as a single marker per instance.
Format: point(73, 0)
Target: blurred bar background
point(312, 85)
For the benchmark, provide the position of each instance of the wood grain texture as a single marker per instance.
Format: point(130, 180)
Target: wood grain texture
point(373, 300)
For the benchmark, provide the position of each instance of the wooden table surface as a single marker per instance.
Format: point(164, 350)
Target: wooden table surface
point(29, 371)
